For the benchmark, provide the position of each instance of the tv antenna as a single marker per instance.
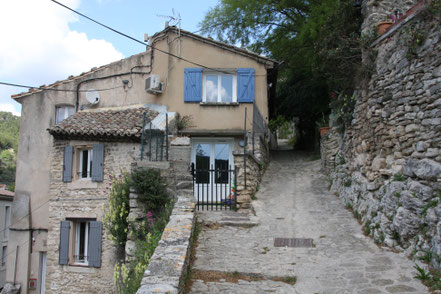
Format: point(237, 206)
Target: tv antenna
point(174, 20)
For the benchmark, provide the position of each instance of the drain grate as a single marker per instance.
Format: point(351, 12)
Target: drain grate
point(293, 242)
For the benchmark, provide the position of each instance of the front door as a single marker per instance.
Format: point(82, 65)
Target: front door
point(213, 162)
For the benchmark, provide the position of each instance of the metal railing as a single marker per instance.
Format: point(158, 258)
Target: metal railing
point(154, 141)
point(215, 188)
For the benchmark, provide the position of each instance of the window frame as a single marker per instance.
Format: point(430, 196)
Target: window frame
point(4, 255)
point(7, 222)
point(79, 170)
point(66, 114)
point(232, 73)
point(76, 224)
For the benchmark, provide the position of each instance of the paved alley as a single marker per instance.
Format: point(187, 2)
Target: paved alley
point(294, 202)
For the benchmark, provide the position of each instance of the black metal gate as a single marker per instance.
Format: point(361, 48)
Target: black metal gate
point(215, 188)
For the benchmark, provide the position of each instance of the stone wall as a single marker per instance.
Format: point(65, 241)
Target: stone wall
point(83, 199)
point(255, 166)
point(387, 165)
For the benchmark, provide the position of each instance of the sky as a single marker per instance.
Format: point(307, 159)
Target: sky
point(42, 42)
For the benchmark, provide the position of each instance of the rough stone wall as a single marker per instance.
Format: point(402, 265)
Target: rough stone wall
point(376, 11)
point(255, 166)
point(67, 200)
point(387, 167)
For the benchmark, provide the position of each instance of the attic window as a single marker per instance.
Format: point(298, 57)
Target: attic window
point(62, 112)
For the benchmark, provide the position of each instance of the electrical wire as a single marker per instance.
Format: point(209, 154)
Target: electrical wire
point(52, 89)
point(138, 41)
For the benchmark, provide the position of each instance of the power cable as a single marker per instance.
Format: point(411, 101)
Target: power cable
point(138, 41)
point(52, 89)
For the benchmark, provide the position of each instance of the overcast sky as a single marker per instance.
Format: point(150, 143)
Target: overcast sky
point(42, 42)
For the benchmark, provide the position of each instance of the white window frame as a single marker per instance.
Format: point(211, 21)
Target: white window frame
point(219, 85)
point(66, 114)
point(77, 243)
point(89, 163)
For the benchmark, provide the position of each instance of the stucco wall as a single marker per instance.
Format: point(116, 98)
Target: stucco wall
point(68, 200)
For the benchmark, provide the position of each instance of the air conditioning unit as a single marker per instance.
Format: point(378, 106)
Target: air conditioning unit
point(153, 84)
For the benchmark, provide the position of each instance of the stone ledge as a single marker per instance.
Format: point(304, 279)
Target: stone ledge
point(169, 262)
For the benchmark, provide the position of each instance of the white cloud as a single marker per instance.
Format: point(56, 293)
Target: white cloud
point(37, 47)
point(9, 107)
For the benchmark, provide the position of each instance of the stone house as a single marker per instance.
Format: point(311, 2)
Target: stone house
point(77, 134)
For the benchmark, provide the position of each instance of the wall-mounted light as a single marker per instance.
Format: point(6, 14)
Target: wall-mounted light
point(125, 82)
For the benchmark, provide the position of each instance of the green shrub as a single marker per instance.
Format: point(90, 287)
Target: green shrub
point(117, 211)
point(150, 187)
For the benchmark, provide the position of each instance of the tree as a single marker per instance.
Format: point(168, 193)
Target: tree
point(317, 43)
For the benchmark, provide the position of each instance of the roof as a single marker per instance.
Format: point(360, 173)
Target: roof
point(121, 124)
point(6, 195)
point(238, 50)
point(241, 51)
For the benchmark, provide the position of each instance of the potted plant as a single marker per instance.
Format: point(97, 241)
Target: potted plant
point(384, 26)
point(323, 125)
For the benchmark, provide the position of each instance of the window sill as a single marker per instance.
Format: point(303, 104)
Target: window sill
point(77, 268)
point(219, 104)
point(82, 184)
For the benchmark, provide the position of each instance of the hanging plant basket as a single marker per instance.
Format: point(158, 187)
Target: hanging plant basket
point(384, 26)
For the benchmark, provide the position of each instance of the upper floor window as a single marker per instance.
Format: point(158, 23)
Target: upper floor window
point(219, 86)
point(62, 112)
point(7, 221)
point(83, 162)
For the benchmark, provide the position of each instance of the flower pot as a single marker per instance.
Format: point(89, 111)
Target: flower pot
point(324, 131)
point(384, 26)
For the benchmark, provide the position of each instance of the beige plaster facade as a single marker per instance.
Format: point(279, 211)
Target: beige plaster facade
point(120, 84)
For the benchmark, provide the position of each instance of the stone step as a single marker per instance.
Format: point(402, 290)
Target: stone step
point(184, 185)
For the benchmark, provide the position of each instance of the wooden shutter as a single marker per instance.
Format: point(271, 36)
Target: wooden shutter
point(98, 163)
point(64, 242)
point(94, 254)
point(192, 85)
point(245, 85)
point(67, 164)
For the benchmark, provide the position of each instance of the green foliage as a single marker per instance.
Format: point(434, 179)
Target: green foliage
point(422, 274)
point(317, 41)
point(276, 123)
point(367, 228)
point(412, 37)
point(398, 177)
point(150, 187)
point(117, 211)
point(183, 122)
point(127, 277)
point(9, 127)
point(347, 182)
point(342, 109)
point(432, 204)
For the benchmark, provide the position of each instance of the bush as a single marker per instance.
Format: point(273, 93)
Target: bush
point(117, 212)
point(150, 188)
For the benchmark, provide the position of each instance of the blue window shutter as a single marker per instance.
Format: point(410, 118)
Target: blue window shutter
point(94, 254)
point(193, 85)
point(245, 85)
point(64, 243)
point(67, 164)
point(98, 163)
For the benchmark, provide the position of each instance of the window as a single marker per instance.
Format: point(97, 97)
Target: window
point(7, 222)
point(85, 246)
point(63, 112)
point(219, 87)
point(223, 86)
point(81, 242)
point(83, 162)
point(4, 255)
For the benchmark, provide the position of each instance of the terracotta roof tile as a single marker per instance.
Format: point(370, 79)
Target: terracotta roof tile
point(112, 124)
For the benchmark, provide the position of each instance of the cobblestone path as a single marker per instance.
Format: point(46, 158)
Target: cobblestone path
point(294, 202)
